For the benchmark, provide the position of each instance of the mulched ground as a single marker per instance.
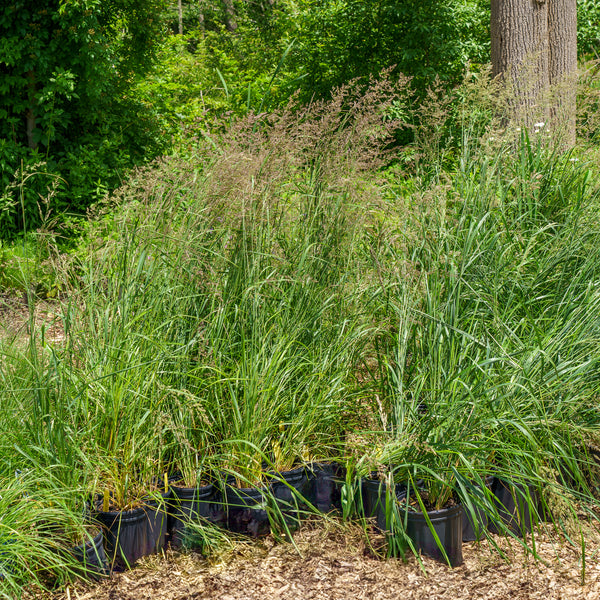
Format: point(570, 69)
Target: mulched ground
point(334, 562)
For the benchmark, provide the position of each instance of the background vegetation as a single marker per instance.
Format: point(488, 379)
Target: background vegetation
point(342, 253)
point(91, 89)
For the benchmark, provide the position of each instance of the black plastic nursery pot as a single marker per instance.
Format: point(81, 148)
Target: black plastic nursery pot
point(194, 505)
point(447, 524)
point(131, 534)
point(290, 487)
point(290, 490)
point(324, 486)
point(516, 504)
point(245, 509)
point(475, 522)
point(92, 557)
point(374, 495)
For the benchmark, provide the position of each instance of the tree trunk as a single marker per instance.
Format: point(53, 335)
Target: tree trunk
point(201, 17)
point(534, 47)
point(562, 30)
point(519, 30)
point(180, 15)
point(230, 23)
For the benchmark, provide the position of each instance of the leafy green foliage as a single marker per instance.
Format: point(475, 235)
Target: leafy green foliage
point(66, 69)
point(311, 46)
point(426, 40)
point(588, 28)
point(74, 96)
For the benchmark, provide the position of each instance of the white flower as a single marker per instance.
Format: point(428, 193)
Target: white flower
point(539, 125)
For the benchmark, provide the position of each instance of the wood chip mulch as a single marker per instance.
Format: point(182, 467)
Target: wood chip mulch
point(335, 562)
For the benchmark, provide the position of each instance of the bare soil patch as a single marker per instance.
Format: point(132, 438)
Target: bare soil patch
point(15, 318)
point(335, 563)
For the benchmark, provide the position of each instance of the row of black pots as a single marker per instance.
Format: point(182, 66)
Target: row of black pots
point(126, 536)
point(450, 527)
point(129, 535)
point(245, 510)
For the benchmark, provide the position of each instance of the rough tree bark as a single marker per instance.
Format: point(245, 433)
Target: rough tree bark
point(562, 34)
point(534, 46)
point(230, 23)
point(201, 16)
point(180, 16)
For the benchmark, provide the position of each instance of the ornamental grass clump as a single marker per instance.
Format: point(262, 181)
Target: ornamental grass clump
point(494, 353)
point(40, 524)
point(198, 303)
